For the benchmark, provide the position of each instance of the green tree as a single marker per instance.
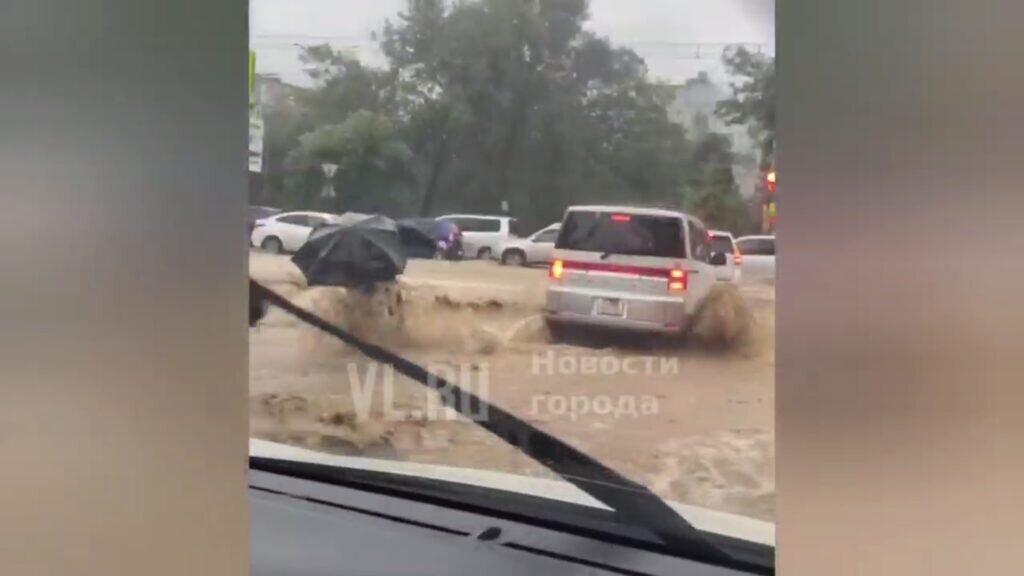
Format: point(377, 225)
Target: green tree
point(712, 193)
point(343, 86)
point(283, 124)
point(494, 100)
point(373, 172)
point(753, 97)
point(514, 100)
point(430, 108)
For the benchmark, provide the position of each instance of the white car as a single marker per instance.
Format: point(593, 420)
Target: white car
point(534, 249)
point(758, 257)
point(287, 232)
point(629, 268)
point(482, 236)
point(723, 242)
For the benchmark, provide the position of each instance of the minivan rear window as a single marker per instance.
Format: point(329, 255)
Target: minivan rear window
point(628, 234)
point(757, 246)
point(721, 244)
point(470, 224)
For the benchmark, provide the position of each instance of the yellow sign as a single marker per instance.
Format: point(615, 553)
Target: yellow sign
point(252, 71)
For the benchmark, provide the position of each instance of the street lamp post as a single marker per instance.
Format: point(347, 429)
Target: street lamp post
point(329, 171)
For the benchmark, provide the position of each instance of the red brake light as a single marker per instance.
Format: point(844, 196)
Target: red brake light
point(737, 256)
point(677, 280)
point(556, 269)
point(621, 218)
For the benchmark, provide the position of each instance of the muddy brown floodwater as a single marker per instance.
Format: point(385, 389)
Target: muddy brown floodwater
point(692, 420)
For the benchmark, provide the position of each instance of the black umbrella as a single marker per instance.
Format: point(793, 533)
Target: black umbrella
point(356, 251)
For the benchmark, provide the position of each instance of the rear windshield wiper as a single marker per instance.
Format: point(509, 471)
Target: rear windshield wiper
point(631, 501)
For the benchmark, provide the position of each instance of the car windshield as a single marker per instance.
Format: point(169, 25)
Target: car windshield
point(510, 116)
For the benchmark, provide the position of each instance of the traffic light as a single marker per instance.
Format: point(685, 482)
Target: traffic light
point(768, 208)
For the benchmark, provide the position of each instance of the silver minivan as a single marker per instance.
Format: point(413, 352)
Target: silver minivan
point(643, 269)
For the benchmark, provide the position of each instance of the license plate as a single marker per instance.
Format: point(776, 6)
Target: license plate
point(610, 307)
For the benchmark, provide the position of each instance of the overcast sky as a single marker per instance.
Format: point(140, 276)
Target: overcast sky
point(664, 32)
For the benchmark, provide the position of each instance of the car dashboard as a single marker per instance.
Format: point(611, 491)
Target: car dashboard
point(306, 528)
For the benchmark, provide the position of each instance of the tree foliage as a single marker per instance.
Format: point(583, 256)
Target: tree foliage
point(713, 196)
point(490, 101)
point(753, 97)
point(373, 164)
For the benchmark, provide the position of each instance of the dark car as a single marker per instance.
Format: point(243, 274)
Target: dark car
point(258, 213)
point(446, 239)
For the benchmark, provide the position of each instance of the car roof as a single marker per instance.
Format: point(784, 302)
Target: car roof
point(630, 210)
point(720, 233)
point(487, 216)
point(309, 212)
point(758, 237)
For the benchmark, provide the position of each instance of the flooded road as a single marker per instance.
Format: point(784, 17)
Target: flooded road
point(695, 424)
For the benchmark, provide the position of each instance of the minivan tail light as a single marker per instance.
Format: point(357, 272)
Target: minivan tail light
point(737, 256)
point(677, 280)
point(557, 266)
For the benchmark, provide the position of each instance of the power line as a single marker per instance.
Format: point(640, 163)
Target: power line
point(661, 57)
point(616, 42)
point(289, 37)
point(292, 47)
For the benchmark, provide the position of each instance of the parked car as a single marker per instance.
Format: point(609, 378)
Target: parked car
point(534, 249)
point(723, 242)
point(758, 257)
point(482, 236)
point(446, 238)
point(259, 213)
point(287, 231)
point(622, 267)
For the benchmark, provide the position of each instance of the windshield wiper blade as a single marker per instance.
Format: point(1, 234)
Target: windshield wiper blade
point(631, 501)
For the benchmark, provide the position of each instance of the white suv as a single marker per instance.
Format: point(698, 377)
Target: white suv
point(287, 232)
point(633, 268)
point(482, 236)
point(535, 249)
point(758, 257)
point(724, 243)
